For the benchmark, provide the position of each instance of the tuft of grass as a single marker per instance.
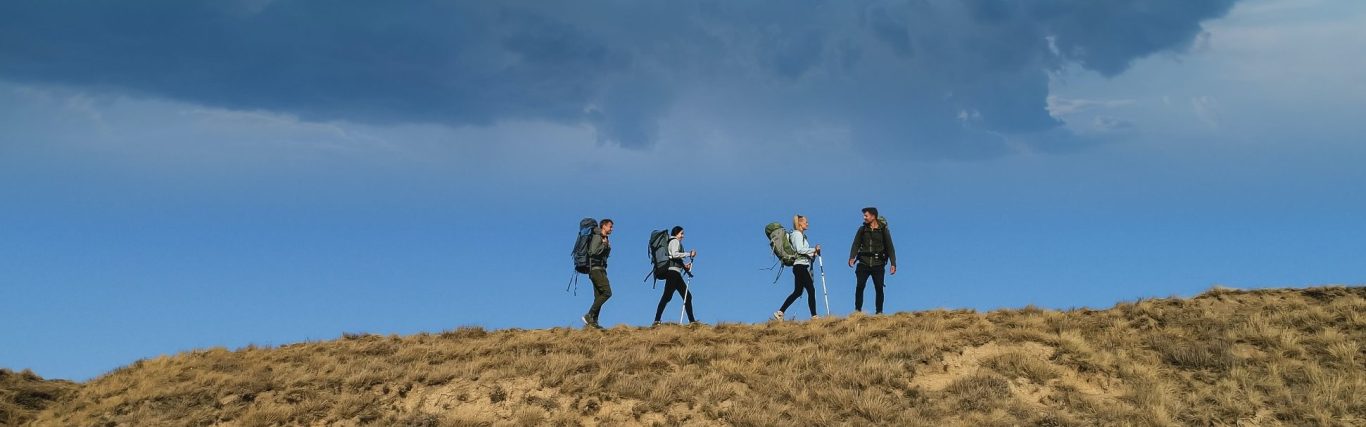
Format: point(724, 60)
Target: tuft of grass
point(979, 392)
point(1187, 354)
point(1021, 365)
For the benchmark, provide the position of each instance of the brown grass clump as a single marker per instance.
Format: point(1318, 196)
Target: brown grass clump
point(23, 394)
point(1226, 357)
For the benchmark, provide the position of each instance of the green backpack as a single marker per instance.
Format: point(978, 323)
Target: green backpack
point(781, 245)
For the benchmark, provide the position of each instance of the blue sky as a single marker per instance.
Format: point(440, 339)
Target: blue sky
point(196, 174)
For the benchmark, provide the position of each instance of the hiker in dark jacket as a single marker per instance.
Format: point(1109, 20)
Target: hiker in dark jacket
point(599, 248)
point(872, 250)
point(673, 279)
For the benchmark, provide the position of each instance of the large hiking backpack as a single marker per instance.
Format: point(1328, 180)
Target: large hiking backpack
point(588, 227)
point(781, 245)
point(659, 253)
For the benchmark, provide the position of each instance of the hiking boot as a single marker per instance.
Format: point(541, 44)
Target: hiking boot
point(815, 317)
point(656, 324)
point(696, 324)
point(590, 322)
point(778, 315)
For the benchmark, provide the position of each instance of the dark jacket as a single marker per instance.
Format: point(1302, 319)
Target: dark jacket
point(866, 244)
point(598, 250)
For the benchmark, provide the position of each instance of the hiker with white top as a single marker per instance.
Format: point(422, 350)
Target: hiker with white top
point(802, 280)
point(673, 278)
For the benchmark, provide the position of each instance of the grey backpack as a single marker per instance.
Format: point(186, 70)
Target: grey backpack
point(588, 227)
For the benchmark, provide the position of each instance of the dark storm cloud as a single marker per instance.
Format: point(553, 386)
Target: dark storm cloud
point(938, 78)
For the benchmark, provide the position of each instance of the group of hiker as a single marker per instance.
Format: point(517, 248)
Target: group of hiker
point(871, 253)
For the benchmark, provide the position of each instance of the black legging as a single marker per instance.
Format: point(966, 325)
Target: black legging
point(862, 273)
point(673, 282)
point(801, 279)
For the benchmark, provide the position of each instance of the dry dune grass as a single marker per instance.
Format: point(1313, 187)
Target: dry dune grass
point(1226, 357)
point(23, 394)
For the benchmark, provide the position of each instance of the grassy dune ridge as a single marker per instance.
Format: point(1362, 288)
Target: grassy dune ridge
point(23, 394)
point(1263, 357)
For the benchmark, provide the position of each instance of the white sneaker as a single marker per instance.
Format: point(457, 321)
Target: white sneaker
point(778, 315)
point(815, 317)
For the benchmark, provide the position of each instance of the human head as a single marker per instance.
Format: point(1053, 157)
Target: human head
point(677, 232)
point(869, 215)
point(606, 226)
point(799, 222)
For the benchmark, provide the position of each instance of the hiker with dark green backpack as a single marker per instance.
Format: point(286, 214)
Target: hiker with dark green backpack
point(599, 248)
point(802, 279)
point(673, 275)
point(872, 251)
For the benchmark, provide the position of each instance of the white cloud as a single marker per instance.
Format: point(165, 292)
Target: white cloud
point(967, 117)
point(1275, 7)
point(1110, 124)
point(1207, 110)
point(1291, 45)
point(1059, 106)
point(288, 129)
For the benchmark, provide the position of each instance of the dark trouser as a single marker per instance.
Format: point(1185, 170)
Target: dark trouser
point(862, 272)
point(602, 290)
point(801, 279)
point(673, 282)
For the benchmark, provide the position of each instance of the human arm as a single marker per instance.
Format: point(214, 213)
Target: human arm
point(891, 249)
point(676, 250)
point(853, 249)
point(597, 244)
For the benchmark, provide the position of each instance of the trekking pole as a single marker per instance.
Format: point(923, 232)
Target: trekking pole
point(686, 285)
point(824, 290)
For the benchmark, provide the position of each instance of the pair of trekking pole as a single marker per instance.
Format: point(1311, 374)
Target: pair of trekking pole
point(825, 291)
point(687, 284)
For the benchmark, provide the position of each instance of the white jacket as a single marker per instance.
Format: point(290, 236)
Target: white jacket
point(805, 250)
point(676, 253)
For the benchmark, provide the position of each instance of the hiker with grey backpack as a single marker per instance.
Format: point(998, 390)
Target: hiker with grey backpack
point(802, 278)
point(591, 250)
point(872, 251)
point(670, 267)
